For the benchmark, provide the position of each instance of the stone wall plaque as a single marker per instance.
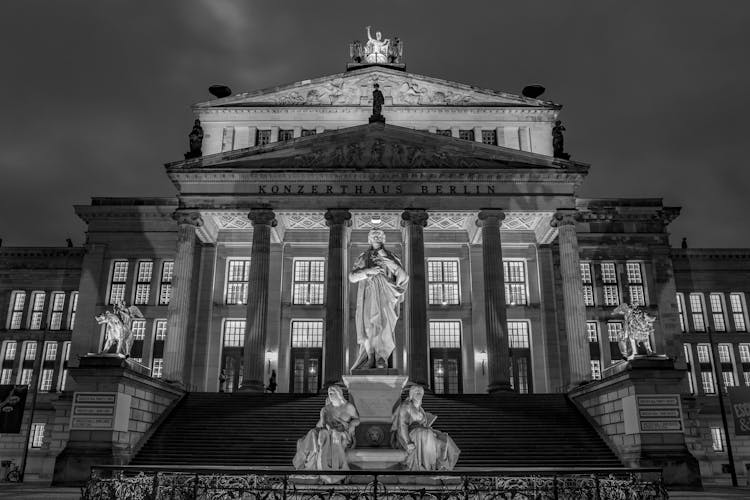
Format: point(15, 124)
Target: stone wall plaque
point(100, 411)
point(652, 413)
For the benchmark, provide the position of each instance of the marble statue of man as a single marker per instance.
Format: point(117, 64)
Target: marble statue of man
point(381, 286)
point(376, 50)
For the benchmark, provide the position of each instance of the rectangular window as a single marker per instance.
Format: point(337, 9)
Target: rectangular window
point(37, 436)
point(165, 286)
point(588, 284)
point(696, 308)
point(234, 333)
point(689, 362)
point(739, 312)
point(681, 312)
point(50, 351)
point(309, 281)
point(286, 135)
point(160, 329)
point(16, 310)
point(238, 272)
point(307, 333)
point(592, 331)
point(515, 282)
point(518, 334)
point(717, 311)
point(143, 282)
point(634, 272)
point(10, 351)
point(467, 135)
point(637, 295)
point(37, 310)
point(444, 132)
point(718, 440)
point(726, 365)
point(306, 132)
point(26, 376)
point(707, 379)
point(706, 368)
point(157, 368)
point(614, 331)
point(489, 137)
point(609, 278)
point(30, 351)
point(523, 376)
point(609, 274)
point(596, 369)
point(119, 279)
point(442, 279)
point(73, 310)
point(58, 303)
point(262, 137)
point(45, 382)
point(611, 295)
point(6, 376)
point(744, 353)
point(138, 327)
point(445, 334)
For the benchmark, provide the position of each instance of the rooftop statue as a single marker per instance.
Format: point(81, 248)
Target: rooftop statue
point(118, 331)
point(376, 49)
point(635, 338)
point(426, 448)
point(196, 141)
point(377, 105)
point(558, 141)
point(381, 286)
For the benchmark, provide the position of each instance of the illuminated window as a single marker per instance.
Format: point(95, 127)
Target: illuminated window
point(718, 440)
point(689, 361)
point(309, 281)
point(50, 351)
point(724, 356)
point(30, 351)
point(681, 312)
point(160, 329)
point(58, 303)
point(45, 381)
point(523, 375)
point(596, 369)
point(6, 376)
point(518, 334)
point(73, 310)
point(157, 368)
point(609, 278)
point(306, 132)
point(489, 137)
point(18, 299)
point(26, 376)
point(696, 308)
point(65, 358)
point(238, 272)
point(442, 279)
point(614, 331)
point(739, 313)
point(119, 279)
point(445, 334)
point(37, 310)
point(262, 137)
point(143, 282)
point(717, 311)
point(10, 351)
point(744, 353)
point(706, 368)
point(636, 290)
point(138, 327)
point(467, 135)
point(707, 379)
point(165, 287)
point(727, 365)
point(286, 135)
point(37, 436)
point(588, 284)
point(234, 333)
point(592, 331)
point(515, 282)
point(307, 333)
point(445, 132)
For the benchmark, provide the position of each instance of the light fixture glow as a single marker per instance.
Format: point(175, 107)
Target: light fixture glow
point(482, 357)
point(375, 219)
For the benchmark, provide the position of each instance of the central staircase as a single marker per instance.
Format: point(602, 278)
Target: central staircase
point(506, 430)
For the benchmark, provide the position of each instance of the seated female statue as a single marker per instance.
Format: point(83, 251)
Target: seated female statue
point(426, 448)
point(324, 447)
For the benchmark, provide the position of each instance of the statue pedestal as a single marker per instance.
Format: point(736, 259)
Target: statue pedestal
point(376, 397)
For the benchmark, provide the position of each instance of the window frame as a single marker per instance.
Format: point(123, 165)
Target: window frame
point(742, 313)
point(308, 284)
point(56, 315)
point(115, 283)
point(307, 344)
point(507, 284)
point(166, 276)
point(36, 314)
point(702, 313)
point(243, 282)
point(142, 289)
point(16, 310)
point(441, 284)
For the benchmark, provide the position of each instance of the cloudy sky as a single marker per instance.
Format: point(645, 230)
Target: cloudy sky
point(97, 93)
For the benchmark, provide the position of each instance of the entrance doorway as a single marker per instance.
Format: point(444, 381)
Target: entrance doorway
point(446, 371)
point(231, 363)
point(305, 370)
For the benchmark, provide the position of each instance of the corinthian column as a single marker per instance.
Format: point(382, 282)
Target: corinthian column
point(579, 358)
point(263, 220)
point(179, 303)
point(336, 220)
point(495, 318)
point(414, 221)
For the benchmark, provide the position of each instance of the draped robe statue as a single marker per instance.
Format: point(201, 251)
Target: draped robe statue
point(381, 286)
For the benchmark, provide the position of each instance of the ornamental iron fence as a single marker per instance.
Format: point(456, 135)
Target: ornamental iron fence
point(225, 483)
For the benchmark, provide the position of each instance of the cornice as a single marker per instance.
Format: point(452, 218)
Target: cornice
point(41, 252)
point(281, 108)
point(711, 253)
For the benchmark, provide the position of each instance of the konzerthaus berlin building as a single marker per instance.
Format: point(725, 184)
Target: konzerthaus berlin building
point(514, 278)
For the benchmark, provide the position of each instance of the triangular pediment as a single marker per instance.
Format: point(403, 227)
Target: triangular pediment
point(354, 88)
point(379, 146)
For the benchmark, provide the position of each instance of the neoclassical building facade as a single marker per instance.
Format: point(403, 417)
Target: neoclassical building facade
point(242, 275)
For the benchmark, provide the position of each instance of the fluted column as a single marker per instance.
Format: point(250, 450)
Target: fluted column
point(414, 220)
point(336, 220)
point(263, 220)
point(579, 358)
point(179, 303)
point(495, 318)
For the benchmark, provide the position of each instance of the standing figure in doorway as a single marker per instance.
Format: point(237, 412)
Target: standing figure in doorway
point(382, 284)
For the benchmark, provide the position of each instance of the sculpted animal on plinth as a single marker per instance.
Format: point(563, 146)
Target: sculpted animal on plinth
point(637, 331)
point(118, 330)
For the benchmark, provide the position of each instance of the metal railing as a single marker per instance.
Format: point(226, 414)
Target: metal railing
point(194, 483)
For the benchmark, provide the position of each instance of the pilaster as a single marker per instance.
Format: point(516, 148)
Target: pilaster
point(85, 336)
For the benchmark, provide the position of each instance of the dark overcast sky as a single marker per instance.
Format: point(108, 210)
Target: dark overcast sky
point(97, 94)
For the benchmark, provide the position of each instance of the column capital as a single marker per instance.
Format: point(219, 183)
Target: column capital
point(337, 217)
point(565, 217)
point(414, 216)
point(188, 218)
point(262, 217)
point(490, 216)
